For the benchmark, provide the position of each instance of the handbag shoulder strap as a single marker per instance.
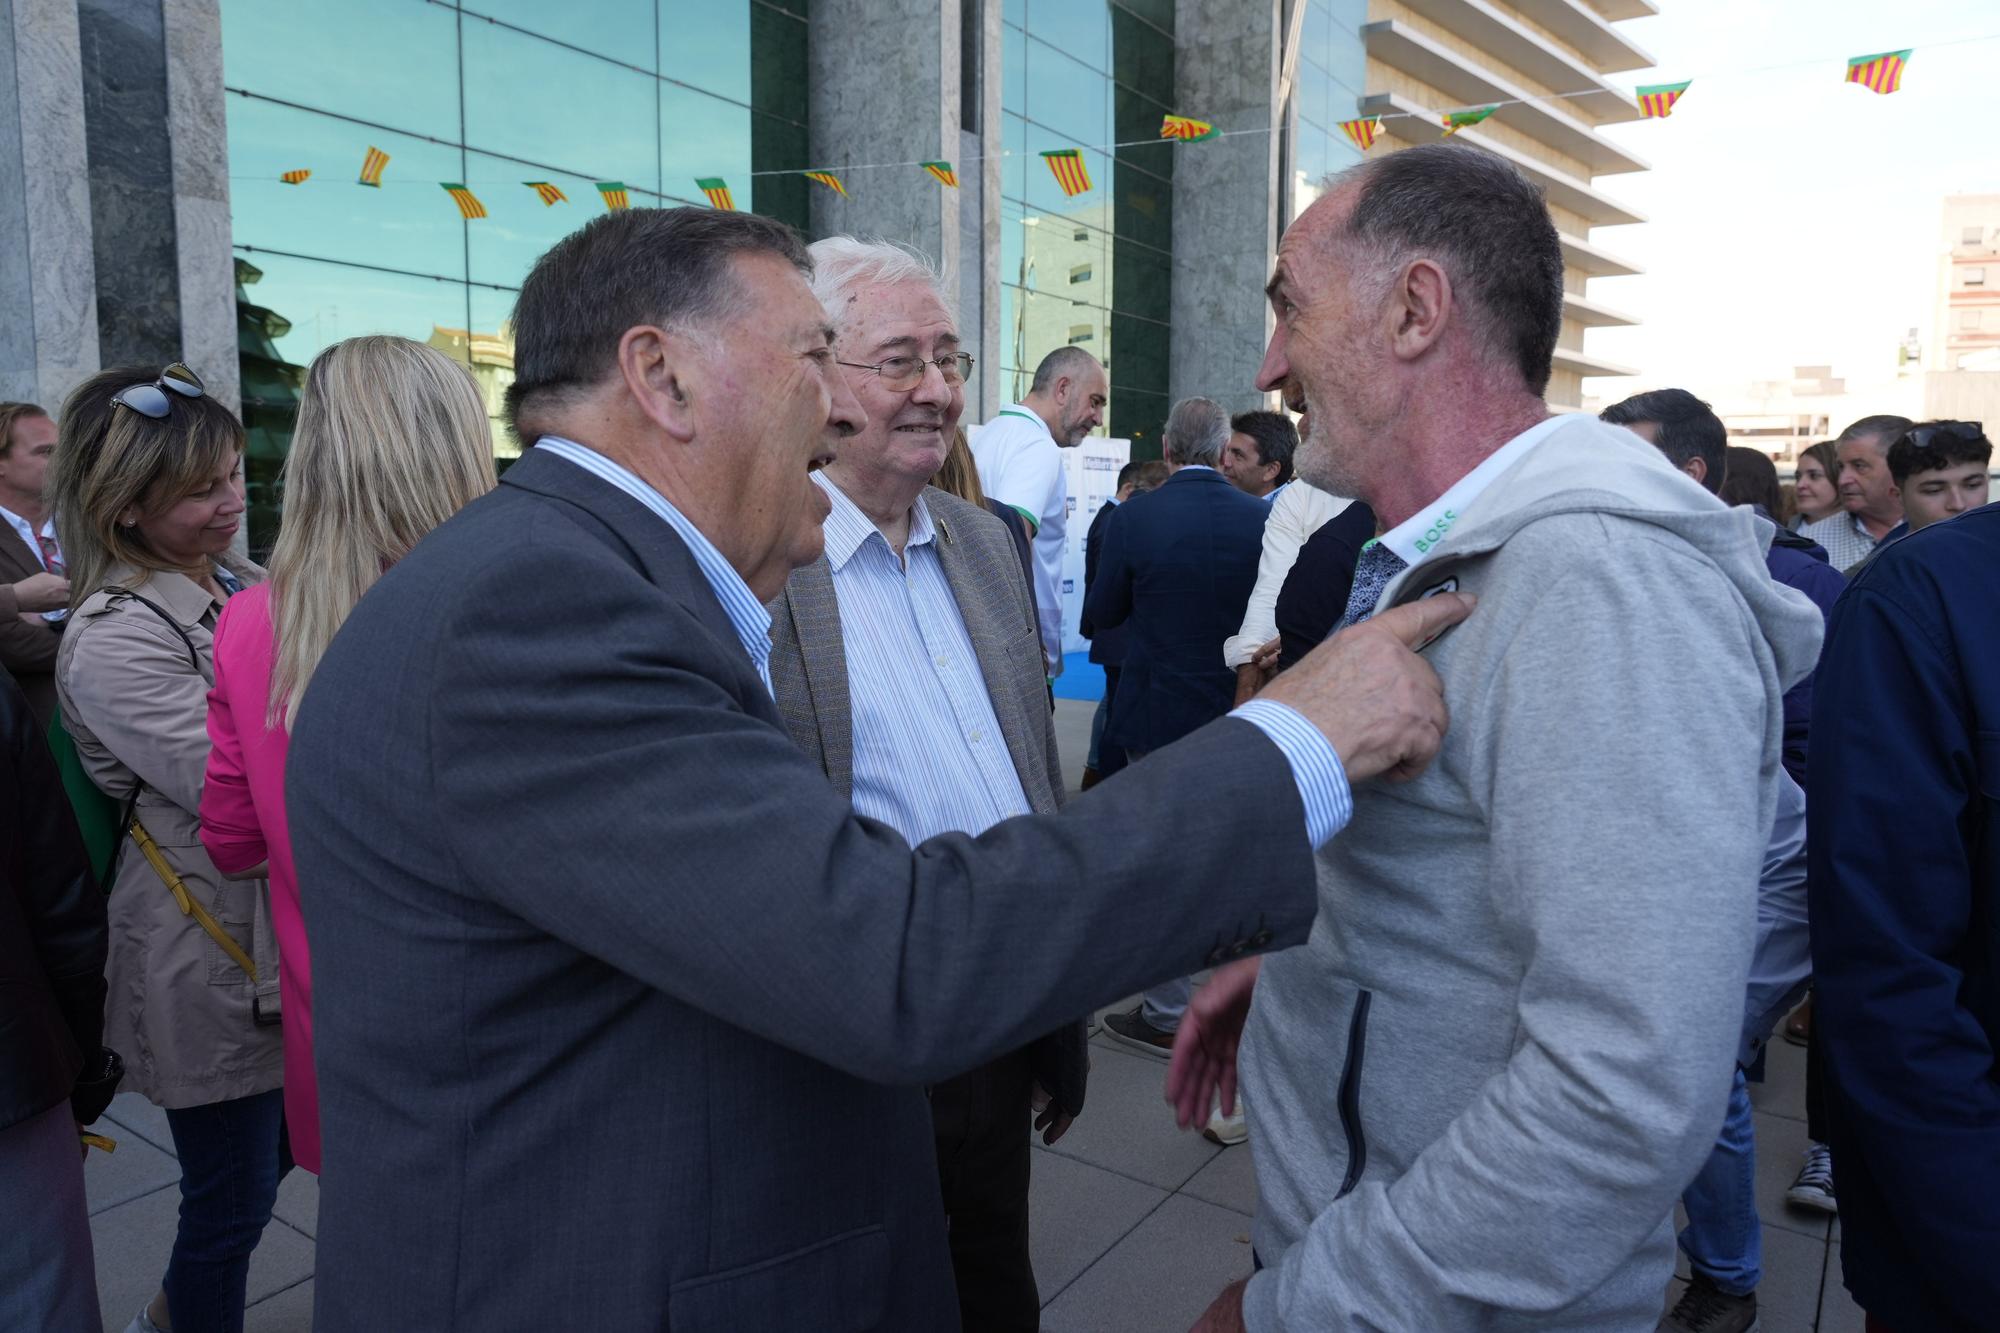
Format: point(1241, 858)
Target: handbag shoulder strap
point(194, 657)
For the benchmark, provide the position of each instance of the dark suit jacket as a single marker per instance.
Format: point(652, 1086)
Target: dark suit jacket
point(1178, 564)
point(621, 1012)
point(27, 651)
point(1107, 642)
point(1314, 595)
point(809, 678)
point(1024, 550)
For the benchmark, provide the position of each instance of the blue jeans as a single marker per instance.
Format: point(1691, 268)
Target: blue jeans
point(233, 1154)
point(1723, 1238)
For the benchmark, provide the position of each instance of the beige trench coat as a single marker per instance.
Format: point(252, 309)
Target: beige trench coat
point(179, 1010)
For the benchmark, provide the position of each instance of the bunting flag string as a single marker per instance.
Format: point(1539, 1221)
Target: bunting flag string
point(551, 195)
point(468, 203)
point(1656, 100)
point(371, 167)
point(1362, 133)
point(942, 170)
point(615, 196)
point(298, 177)
point(717, 191)
point(1070, 172)
point(828, 179)
point(1881, 73)
point(1186, 128)
point(1454, 121)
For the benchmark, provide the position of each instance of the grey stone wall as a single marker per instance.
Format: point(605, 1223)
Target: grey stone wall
point(197, 131)
point(1226, 198)
point(48, 337)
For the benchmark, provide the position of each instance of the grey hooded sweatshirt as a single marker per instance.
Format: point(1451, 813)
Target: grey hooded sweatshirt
point(1506, 1047)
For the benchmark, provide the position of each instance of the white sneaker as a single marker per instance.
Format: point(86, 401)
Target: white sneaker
point(1226, 1129)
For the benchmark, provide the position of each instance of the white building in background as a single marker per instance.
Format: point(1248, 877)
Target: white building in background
point(1962, 377)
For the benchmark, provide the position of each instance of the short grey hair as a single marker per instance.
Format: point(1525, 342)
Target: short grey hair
point(1196, 431)
point(842, 263)
point(1064, 361)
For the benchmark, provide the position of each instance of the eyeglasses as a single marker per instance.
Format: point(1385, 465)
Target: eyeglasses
point(151, 400)
point(1922, 437)
point(901, 373)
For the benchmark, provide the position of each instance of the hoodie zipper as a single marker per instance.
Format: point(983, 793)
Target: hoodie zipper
point(1350, 1094)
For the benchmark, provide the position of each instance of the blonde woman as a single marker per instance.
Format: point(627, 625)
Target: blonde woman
point(392, 440)
point(147, 486)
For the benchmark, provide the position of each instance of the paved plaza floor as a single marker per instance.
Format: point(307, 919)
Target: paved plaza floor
point(1136, 1225)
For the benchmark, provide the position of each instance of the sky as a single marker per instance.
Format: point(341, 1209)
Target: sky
point(1792, 218)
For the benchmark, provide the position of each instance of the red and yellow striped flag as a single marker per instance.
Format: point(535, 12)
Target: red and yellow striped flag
point(1879, 73)
point(1362, 133)
point(371, 167)
point(717, 192)
point(1454, 121)
point(468, 203)
point(1186, 127)
point(945, 175)
point(614, 194)
point(1657, 99)
point(828, 179)
point(296, 177)
point(1071, 174)
point(551, 194)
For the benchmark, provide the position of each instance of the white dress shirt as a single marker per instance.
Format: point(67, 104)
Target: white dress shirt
point(1297, 512)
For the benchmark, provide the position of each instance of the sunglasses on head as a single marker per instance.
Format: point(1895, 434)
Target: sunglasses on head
point(152, 400)
point(1922, 437)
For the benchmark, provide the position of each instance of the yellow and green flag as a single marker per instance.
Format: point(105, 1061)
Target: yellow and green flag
point(945, 175)
point(1070, 172)
point(717, 191)
point(1186, 128)
point(828, 179)
point(614, 194)
point(1656, 100)
point(1454, 121)
point(371, 167)
point(296, 177)
point(1881, 73)
point(468, 203)
point(1362, 133)
point(551, 195)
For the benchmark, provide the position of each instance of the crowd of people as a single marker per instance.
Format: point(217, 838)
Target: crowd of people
point(644, 890)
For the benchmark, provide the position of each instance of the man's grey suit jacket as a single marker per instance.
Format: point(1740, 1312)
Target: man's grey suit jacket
point(809, 678)
point(621, 1012)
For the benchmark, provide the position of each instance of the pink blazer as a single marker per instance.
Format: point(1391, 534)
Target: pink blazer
point(243, 824)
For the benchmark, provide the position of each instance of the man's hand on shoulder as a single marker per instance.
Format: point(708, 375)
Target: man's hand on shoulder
point(1366, 689)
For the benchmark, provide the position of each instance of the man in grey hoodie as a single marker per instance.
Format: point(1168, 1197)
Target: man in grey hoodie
point(1506, 1047)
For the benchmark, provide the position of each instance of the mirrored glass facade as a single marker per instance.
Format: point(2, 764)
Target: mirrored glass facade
point(1092, 270)
point(491, 94)
point(1333, 64)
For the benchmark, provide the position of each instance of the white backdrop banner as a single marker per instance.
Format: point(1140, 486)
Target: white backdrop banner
point(1092, 470)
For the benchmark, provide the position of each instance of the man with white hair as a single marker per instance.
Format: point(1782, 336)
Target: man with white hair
point(904, 660)
point(1177, 568)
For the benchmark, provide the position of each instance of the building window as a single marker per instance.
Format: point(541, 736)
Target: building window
point(1968, 319)
point(1975, 277)
point(1972, 236)
point(1080, 334)
point(1079, 273)
point(1081, 234)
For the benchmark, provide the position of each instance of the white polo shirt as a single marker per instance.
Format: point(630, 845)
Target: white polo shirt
point(1021, 465)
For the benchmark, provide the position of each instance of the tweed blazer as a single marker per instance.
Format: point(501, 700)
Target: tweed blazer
point(27, 647)
point(809, 679)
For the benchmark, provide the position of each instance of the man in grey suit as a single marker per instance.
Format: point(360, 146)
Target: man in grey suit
point(623, 1011)
point(905, 661)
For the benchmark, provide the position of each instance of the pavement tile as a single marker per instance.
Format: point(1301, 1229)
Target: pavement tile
point(132, 1242)
point(298, 1201)
point(1783, 1091)
point(137, 1168)
point(1781, 1149)
point(1076, 1213)
point(138, 1116)
point(1837, 1311)
point(1788, 1297)
point(290, 1311)
point(1230, 1180)
point(1162, 1276)
point(1127, 1127)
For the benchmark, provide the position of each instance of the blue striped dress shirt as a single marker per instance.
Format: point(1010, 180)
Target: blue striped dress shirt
point(929, 757)
point(747, 615)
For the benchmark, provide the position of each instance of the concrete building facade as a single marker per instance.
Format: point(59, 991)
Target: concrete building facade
point(151, 141)
point(1962, 377)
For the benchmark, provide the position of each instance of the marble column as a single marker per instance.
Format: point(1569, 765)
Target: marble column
point(48, 339)
point(198, 133)
point(1226, 197)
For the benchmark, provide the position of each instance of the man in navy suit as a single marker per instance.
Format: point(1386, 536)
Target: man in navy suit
point(1176, 571)
point(1107, 645)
